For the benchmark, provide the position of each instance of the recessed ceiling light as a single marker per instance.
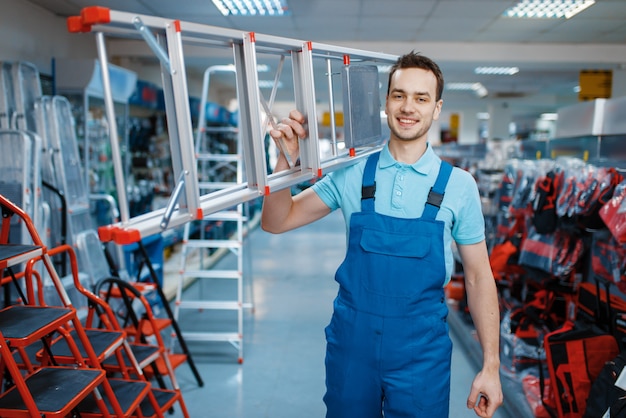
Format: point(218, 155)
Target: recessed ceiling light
point(252, 7)
point(496, 70)
point(548, 9)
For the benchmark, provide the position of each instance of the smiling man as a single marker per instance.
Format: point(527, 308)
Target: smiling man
point(388, 347)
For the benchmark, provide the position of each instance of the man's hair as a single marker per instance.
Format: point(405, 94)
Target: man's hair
point(415, 60)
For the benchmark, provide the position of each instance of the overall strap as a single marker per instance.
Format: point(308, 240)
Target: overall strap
point(435, 196)
point(369, 183)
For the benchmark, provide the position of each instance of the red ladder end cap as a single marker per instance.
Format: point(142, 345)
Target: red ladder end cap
point(95, 15)
point(75, 25)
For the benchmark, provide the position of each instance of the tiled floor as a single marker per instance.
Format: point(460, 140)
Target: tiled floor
point(282, 375)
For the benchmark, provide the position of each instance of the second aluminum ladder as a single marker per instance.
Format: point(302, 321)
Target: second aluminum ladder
point(218, 302)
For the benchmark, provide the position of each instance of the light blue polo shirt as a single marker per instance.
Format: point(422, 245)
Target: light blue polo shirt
point(401, 191)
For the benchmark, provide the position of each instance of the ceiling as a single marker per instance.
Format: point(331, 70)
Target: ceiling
point(459, 34)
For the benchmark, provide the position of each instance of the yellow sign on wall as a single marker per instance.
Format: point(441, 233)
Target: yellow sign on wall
point(338, 119)
point(595, 84)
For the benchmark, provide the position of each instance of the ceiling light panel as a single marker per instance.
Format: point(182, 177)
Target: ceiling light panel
point(463, 86)
point(252, 7)
point(548, 9)
point(477, 88)
point(496, 70)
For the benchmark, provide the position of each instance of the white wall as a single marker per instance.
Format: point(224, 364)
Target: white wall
point(619, 83)
point(29, 33)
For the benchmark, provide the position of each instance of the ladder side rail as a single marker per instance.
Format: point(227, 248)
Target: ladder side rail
point(116, 155)
point(331, 108)
point(172, 123)
point(183, 115)
point(253, 131)
point(327, 50)
point(244, 132)
point(285, 179)
point(119, 22)
point(149, 224)
point(305, 100)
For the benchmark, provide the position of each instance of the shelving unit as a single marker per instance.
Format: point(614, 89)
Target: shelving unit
point(589, 136)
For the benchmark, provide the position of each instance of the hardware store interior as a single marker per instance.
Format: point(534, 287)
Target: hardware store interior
point(136, 276)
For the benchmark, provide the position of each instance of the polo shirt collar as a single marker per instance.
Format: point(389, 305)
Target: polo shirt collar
point(422, 166)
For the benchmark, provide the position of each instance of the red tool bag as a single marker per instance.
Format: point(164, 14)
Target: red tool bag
point(613, 213)
point(575, 355)
point(596, 304)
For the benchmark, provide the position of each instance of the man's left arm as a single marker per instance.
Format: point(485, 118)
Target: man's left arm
point(486, 391)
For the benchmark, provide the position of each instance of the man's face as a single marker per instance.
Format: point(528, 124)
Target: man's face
point(411, 105)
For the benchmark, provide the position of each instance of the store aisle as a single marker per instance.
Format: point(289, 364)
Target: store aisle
point(282, 375)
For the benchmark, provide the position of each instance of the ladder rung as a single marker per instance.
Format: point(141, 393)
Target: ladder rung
point(225, 215)
point(209, 304)
point(216, 185)
point(205, 156)
point(213, 274)
point(213, 243)
point(211, 129)
point(212, 336)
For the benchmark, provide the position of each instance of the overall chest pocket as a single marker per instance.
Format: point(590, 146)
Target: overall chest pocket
point(394, 264)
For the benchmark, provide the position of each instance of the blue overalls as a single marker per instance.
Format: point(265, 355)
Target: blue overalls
point(388, 347)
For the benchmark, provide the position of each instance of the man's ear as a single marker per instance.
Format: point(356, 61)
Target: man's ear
point(437, 111)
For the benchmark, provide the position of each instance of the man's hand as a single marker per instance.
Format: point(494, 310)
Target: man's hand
point(287, 133)
point(486, 394)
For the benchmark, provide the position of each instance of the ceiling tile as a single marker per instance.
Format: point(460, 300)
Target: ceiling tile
point(471, 9)
point(395, 8)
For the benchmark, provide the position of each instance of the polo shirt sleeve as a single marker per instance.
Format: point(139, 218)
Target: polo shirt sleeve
point(327, 190)
point(342, 188)
point(469, 223)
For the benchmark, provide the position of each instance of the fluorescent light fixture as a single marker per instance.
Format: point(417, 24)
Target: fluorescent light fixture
point(496, 70)
point(461, 86)
point(478, 88)
point(251, 7)
point(548, 9)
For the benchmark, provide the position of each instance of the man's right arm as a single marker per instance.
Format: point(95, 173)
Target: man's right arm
point(281, 211)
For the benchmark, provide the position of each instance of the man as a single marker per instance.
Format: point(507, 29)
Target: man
point(388, 349)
